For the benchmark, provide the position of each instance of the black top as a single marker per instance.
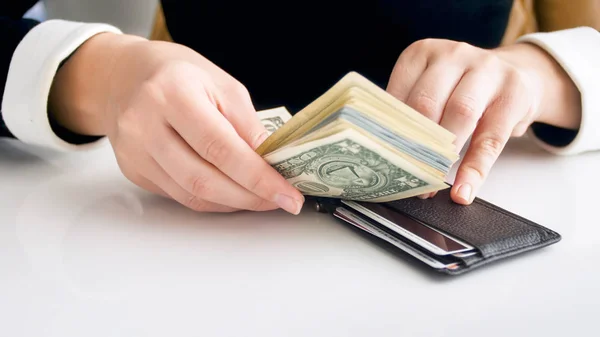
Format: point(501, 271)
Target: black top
point(288, 53)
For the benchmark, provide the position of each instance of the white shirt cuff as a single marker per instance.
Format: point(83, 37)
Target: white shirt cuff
point(31, 73)
point(577, 50)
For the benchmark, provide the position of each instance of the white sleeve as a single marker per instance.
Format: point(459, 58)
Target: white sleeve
point(31, 73)
point(577, 50)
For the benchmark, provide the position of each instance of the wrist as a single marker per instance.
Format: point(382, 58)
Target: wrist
point(559, 98)
point(80, 90)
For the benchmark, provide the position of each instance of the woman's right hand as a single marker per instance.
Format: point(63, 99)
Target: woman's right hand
point(179, 125)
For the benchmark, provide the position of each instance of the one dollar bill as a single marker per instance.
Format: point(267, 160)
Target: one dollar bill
point(350, 166)
point(273, 119)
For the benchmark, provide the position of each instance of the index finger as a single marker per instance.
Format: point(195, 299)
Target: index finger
point(213, 137)
point(488, 141)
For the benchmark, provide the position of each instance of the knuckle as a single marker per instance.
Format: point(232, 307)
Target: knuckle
point(417, 47)
point(489, 61)
point(461, 47)
point(517, 94)
point(405, 59)
point(215, 151)
point(254, 135)
point(425, 103)
point(258, 205)
point(257, 183)
point(199, 185)
point(476, 170)
point(154, 90)
point(427, 42)
point(418, 44)
point(491, 145)
point(171, 70)
point(161, 79)
point(173, 79)
point(194, 203)
point(516, 79)
point(464, 107)
point(236, 89)
point(127, 122)
point(134, 134)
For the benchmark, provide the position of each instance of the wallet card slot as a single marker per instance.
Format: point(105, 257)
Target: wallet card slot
point(492, 230)
point(383, 233)
point(425, 236)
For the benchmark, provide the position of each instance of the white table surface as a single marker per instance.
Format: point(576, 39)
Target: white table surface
point(85, 253)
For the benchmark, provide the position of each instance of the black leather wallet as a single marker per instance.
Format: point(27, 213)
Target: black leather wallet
point(493, 232)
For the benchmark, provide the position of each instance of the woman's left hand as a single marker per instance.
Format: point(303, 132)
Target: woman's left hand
point(490, 95)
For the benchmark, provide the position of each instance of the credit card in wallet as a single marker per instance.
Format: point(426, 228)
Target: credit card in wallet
point(363, 224)
point(426, 237)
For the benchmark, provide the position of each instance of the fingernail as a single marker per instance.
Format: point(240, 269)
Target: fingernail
point(261, 139)
point(423, 196)
point(288, 203)
point(464, 192)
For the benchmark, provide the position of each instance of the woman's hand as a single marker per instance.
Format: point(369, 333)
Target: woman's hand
point(490, 95)
point(179, 125)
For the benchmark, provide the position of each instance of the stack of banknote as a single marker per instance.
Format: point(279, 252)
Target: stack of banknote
point(357, 142)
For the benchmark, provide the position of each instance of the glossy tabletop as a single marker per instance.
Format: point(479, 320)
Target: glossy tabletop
point(83, 252)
